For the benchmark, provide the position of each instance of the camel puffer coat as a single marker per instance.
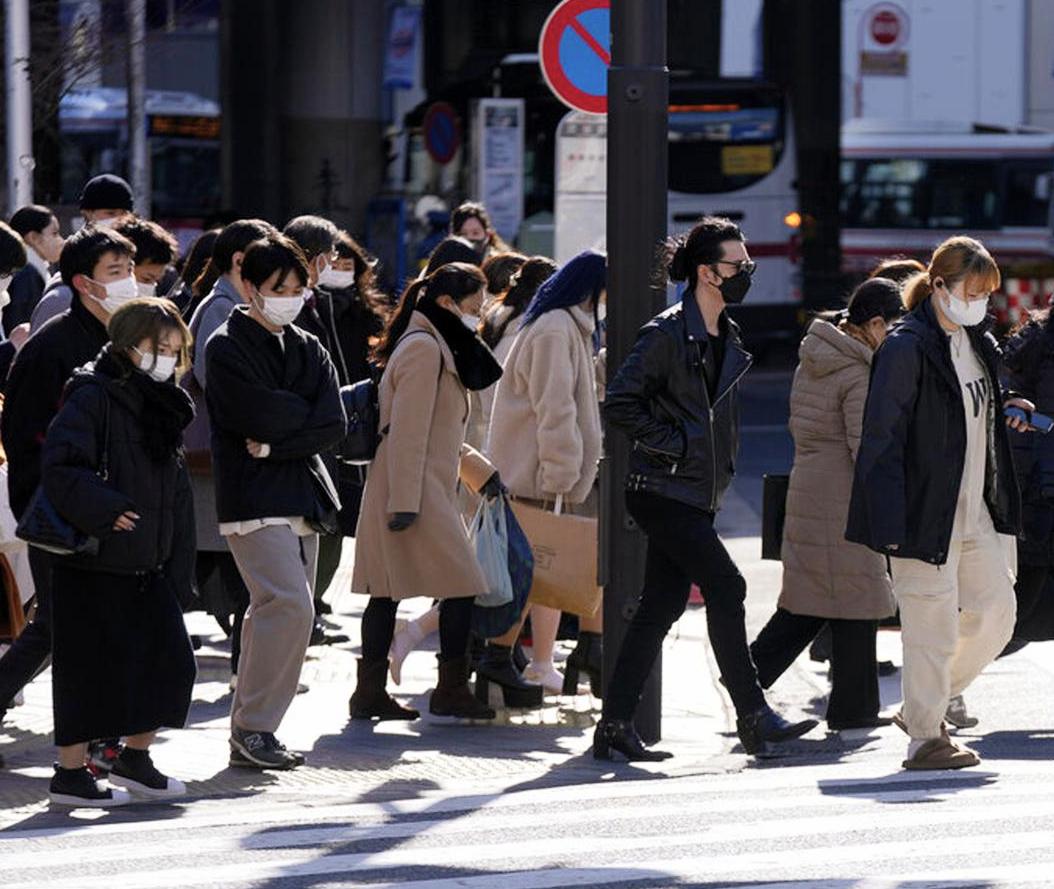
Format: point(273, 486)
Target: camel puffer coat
point(823, 574)
point(425, 409)
point(545, 427)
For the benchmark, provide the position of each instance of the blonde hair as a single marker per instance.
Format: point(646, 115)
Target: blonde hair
point(956, 259)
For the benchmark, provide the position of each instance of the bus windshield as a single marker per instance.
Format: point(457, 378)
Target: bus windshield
point(942, 193)
point(722, 147)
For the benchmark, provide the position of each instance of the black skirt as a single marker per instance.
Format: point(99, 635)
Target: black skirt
point(122, 663)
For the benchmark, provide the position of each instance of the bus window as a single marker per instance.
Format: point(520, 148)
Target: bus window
point(1027, 197)
point(963, 194)
point(721, 148)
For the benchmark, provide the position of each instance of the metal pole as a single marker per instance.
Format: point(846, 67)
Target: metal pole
point(138, 159)
point(638, 98)
point(20, 161)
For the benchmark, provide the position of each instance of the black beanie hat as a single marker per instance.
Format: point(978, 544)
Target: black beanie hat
point(106, 192)
point(876, 297)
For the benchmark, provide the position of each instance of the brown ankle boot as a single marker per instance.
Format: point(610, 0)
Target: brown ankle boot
point(371, 700)
point(452, 696)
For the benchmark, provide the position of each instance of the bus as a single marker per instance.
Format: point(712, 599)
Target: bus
point(183, 138)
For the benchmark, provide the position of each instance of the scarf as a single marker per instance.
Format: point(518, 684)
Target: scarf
point(476, 366)
point(166, 409)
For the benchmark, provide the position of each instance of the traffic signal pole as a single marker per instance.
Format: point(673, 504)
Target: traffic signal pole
point(638, 99)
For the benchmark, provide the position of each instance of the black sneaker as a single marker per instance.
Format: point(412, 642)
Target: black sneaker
point(261, 750)
point(135, 770)
point(102, 754)
point(77, 787)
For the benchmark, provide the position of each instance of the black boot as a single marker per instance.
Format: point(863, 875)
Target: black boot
point(620, 735)
point(587, 657)
point(764, 726)
point(452, 696)
point(371, 699)
point(496, 667)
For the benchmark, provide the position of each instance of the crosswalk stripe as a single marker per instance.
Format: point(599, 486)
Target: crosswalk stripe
point(987, 839)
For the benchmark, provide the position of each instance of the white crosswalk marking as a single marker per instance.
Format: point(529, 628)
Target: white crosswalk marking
point(830, 826)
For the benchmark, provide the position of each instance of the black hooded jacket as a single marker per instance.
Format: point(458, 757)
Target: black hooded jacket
point(913, 447)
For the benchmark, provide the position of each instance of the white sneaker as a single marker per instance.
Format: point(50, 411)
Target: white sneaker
point(543, 673)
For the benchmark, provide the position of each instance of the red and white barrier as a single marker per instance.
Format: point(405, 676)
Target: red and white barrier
point(1019, 297)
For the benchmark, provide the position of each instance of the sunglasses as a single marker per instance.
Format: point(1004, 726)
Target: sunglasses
point(741, 265)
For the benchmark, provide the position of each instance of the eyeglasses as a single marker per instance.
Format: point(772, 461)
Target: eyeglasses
point(741, 265)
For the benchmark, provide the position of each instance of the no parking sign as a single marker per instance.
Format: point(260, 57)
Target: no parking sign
point(575, 52)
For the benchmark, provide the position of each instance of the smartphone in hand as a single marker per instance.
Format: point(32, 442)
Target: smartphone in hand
point(1039, 422)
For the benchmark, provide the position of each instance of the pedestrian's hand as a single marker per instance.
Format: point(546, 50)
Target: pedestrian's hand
point(19, 335)
point(400, 521)
point(256, 449)
point(126, 521)
point(1016, 423)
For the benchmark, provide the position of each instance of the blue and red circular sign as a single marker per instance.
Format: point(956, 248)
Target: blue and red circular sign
point(442, 132)
point(575, 52)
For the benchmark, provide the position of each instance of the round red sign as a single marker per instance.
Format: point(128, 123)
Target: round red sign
point(885, 27)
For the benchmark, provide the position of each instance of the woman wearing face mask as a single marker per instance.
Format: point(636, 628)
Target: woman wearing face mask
point(411, 539)
point(545, 438)
point(40, 231)
point(827, 580)
point(113, 467)
point(934, 489)
point(472, 222)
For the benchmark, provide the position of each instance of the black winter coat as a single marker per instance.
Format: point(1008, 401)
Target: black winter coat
point(1029, 356)
point(684, 444)
point(913, 446)
point(283, 394)
point(157, 489)
point(27, 287)
point(34, 392)
point(343, 324)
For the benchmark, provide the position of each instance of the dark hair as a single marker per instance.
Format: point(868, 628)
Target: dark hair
point(875, 298)
point(12, 250)
point(500, 268)
point(235, 238)
point(470, 210)
point(313, 234)
point(31, 218)
point(897, 268)
point(197, 271)
point(152, 243)
point(458, 280)
point(701, 246)
point(582, 277)
point(452, 249)
point(523, 286)
point(275, 253)
point(365, 273)
point(83, 250)
point(147, 318)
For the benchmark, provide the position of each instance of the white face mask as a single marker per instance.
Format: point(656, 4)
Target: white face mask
point(279, 310)
point(335, 278)
point(471, 322)
point(157, 367)
point(964, 313)
point(5, 297)
point(602, 311)
point(109, 222)
point(118, 292)
point(146, 289)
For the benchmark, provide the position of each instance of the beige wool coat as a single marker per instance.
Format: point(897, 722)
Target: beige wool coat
point(425, 407)
point(823, 574)
point(545, 435)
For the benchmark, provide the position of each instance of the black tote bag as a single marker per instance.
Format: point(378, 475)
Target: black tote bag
point(773, 513)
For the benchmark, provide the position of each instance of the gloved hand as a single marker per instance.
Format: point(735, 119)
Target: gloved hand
point(493, 487)
point(400, 521)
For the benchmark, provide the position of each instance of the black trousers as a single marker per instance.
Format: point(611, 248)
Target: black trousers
point(30, 651)
point(854, 669)
point(378, 628)
point(1035, 603)
point(683, 548)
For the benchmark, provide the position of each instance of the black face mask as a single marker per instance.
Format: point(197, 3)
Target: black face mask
point(734, 289)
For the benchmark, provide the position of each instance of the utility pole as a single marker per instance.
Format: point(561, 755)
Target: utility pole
point(20, 161)
point(638, 100)
point(138, 159)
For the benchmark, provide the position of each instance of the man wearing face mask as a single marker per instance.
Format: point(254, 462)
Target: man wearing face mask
point(105, 201)
point(274, 407)
point(676, 397)
point(97, 265)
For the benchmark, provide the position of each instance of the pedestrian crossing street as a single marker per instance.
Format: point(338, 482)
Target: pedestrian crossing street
point(835, 825)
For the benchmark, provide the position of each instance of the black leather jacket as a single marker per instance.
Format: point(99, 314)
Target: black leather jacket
point(684, 443)
point(913, 447)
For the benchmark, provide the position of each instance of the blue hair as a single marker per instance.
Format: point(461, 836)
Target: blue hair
point(582, 277)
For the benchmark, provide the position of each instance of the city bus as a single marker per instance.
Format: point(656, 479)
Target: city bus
point(183, 137)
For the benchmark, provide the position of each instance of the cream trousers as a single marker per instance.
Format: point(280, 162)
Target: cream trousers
point(955, 619)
